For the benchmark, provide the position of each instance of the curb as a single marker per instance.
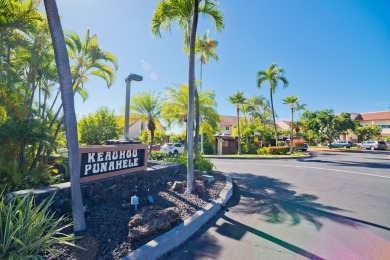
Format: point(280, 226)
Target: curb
point(257, 158)
point(178, 235)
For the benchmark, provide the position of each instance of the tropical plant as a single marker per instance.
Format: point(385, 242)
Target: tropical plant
point(27, 230)
point(99, 127)
point(176, 106)
point(291, 100)
point(64, 74)
point(148, 106)
point(238, 99)
point(186, 12)
point(273, 75)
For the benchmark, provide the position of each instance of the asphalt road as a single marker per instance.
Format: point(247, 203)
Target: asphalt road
point(329, 206)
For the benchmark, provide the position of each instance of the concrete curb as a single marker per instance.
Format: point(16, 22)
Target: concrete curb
point(178, 235)
point(257, 158)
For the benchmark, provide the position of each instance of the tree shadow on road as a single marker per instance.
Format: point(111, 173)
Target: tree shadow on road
point(280, 204)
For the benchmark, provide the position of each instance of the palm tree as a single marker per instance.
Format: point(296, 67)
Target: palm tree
point(205, 48)
point(63, 70)
point(147, 106)
point(291, 100)
point(273, 74)
point(176, 106)
point(299, 107)
point(89, 59)
point(238, 99)
point(186, 12)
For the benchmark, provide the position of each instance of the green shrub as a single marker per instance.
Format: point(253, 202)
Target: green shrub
point(182, 158)
point(282, 150)
point(27, 231)
point(262, 151)
point(281, 143)
point(158, 156)
point(203, 164)
point(208, 148)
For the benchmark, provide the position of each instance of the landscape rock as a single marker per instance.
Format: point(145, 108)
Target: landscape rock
point(179, 186)
point(151, 220)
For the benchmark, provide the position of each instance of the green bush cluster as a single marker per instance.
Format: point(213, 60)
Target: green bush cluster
point(208, 148)
point(26, 231)
point(158, 156)
point(281, 143)
point(200, 163)
point(203, 164)
point(281, 150)
point(250, 148)
point(262, 151)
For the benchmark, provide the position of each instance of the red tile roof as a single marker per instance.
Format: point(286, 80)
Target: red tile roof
point(371, 116)
point(228, 120)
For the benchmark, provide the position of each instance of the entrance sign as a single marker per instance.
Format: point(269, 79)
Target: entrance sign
point(104, 161)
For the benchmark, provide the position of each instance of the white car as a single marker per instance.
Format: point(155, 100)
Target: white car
point(172, 148)
point(372, 145)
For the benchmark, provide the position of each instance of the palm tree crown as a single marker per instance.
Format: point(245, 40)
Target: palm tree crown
point(273, 75)
point(238, 99)
point(291, 100)
point(89, 59)
point(181, 11)
point(147, 106)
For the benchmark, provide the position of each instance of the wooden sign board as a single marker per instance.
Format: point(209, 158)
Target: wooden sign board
point(104, 161)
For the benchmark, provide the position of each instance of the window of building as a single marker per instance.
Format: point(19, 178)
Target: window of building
point(226, 128)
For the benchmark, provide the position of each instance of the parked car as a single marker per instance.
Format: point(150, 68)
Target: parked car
point(373, 145)
point(173, 148)
point(304, 147)
point(340, 144)
point(155, 148)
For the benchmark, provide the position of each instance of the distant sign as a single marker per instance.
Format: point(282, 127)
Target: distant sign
point(104, 161)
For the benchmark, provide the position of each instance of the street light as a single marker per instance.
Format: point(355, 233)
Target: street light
point(131, 77)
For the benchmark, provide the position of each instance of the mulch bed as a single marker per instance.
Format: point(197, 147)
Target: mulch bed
point(106, 236)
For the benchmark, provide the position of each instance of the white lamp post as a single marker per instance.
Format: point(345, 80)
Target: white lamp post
point(131, 77)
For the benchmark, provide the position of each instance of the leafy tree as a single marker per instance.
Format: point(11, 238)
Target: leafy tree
point(186, 12)
point(291, 100)
point(148, 106)
point(328, 125)
point(98, 127)
point(368, 132)
point(64, 74)
point(273, 75)
point(238, 99)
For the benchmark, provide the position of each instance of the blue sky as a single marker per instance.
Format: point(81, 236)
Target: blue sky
point(336, 54)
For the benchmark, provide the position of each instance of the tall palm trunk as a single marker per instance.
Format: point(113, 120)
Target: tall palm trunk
point(197, 122)
point(292, 129)
point(63, 70)
point(152, 128)
point(238, 126)
point(273, 117)
point(191, 92)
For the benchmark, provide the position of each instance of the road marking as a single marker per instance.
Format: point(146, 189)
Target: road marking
point(318, 168)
